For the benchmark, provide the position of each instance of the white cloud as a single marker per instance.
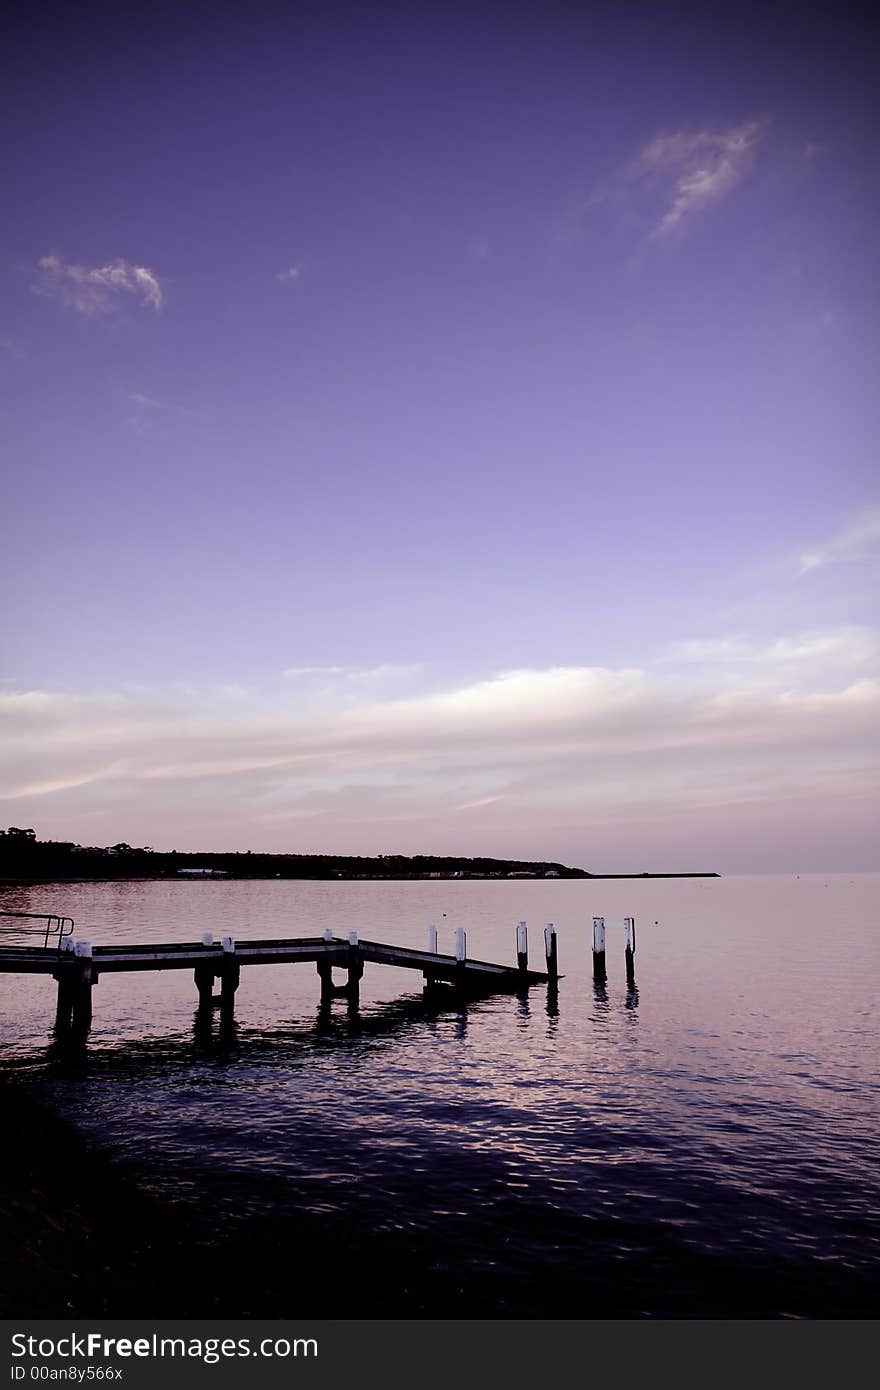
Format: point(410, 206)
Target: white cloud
point(342, 676)
point(858, 543)
point(698, 167)
point(515, 754)
point(287, 277)
point(97, 289)
point(807, 659)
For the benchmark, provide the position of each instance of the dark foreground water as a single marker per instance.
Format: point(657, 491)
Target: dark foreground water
point(702, 1146)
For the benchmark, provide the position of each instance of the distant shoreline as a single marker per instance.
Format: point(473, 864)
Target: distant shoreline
point(26, 882)
point(25, 859)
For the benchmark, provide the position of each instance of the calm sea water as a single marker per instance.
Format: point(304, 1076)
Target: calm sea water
point(703, 1146)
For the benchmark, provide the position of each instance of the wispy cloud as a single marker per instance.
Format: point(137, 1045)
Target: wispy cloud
point(97, 289)
point(812, 660)
point(696, 169)
point(288, 276)
point(523, 756)
point(857, 543)
point(359, 675)
point(847, 644)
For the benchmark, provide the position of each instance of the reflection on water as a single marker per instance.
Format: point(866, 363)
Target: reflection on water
point(702, 1141)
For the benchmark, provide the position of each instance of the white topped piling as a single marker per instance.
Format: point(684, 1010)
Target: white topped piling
point(630, 925)
point(460, 944)
point(83, 948)
point(522, 946)
point(328, 934)
point(355, 970)
point(432, 940)
point(599, 973)
point(228, 944)
point(207, 938)
point(550, 951)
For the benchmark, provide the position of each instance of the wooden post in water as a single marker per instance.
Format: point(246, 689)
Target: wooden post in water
point(460, 958)
point(84, 978)
point(630, 925)
point(429, 978)
point(355, 967)
point(204, 976)
point(522, 947)
point(550, 950)
point(65, 977)
point(599, 972)
point(230, 973)
point(325, 971)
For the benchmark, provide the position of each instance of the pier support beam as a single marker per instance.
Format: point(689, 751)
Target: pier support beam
point(460, 958)
point(355, 969)
point(204, 977)
point(76, 990)
point(599, 972)
point(428, 976)
point(324, 966)
point(630, 925)
point(550, 949)
point(522, 947)
point(230, 974)
point(65, 977)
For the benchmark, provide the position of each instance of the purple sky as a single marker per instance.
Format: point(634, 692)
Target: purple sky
point(442, 429)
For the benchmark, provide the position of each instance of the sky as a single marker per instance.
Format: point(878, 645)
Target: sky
point(442, 429)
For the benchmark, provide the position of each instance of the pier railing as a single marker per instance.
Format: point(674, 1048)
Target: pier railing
point(53, 931)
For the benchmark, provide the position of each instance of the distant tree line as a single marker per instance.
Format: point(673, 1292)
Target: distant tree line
point(23, 856)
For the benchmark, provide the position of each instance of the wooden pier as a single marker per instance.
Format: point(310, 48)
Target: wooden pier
point(77, 965)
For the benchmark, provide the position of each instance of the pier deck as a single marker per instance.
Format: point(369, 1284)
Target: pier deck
point(77, 966)
point(336, 952)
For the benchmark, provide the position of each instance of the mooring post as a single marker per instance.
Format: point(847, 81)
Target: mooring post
point(66, 980)
point(230, 973)
point(325, 971)
point(460, 957)
point(429, 978)
point(355, 967)
point(522, 947)
point(550, 950)
point(83, 979)
point(204, 976)
point(630, 925)
point(599, 973)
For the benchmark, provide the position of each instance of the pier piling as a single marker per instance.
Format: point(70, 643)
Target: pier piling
point(355, 968)
point(630, 925)
point(550, 950)
point(81, 992)
point(460, 958)
point(324, 965)
point(599, 971)
point(522, 947)
point(428, 976)
point(230, 974)
point(204, 976)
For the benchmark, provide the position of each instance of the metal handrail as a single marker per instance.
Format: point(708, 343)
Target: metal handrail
point(56, 925)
